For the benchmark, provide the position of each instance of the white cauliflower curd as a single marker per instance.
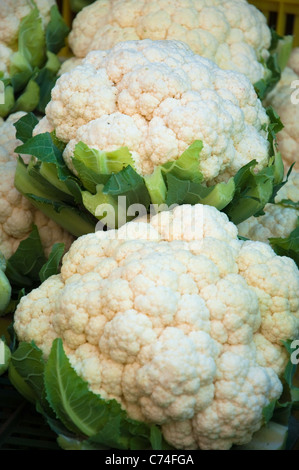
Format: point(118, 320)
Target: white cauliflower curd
point(156, 98)
point(232, 33)
point(176, 319)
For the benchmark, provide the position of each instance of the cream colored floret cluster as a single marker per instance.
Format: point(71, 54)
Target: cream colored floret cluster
point(176, 319)
point(157, 98)
point(16, 213)
point(232, 33)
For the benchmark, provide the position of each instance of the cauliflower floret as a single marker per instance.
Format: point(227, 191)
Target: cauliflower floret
point(69, 64)
point(182, 327)
point(157, 98)
point(16, 213)
point(232, 33)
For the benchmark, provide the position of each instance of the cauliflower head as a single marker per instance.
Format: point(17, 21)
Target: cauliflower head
point(11, 14)
point(294, 60)
point(176, 319)
point(156, 98)
point(284, 99)
point(232, 33)
point(16, 213)
point(278, 221)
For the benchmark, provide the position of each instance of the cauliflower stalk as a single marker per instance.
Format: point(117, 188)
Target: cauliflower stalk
point(232, 33)
point(176, 319)
point(31, 34)
point(156, 123)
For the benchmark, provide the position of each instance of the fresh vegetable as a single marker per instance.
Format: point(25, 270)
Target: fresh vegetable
point(5, 287)
point(284, 99)
point(31, 35)
point(176, 319)
point(279, 223)
point(232, 33)
point(17, 214)
point(160, 136)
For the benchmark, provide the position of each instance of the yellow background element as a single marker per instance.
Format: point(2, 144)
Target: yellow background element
point(282, 15)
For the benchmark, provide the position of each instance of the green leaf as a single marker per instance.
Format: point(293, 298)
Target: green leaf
point(20, 71)
point(29, 98)
point(77, 5)
point(24, 127)
point(268, 411)
point(44, 197)
point(187, 192)
point(46, 80)
point(287, 246)
point(31, 39)
point(24, 265)
point(29, 365)
point(51, 267)
point(186, 167)
point(284, 49)
point(56, 31)
point(156, 186)
point(9, 101)
point(5, 293)
point(88, 177)
point(73, 443)
point(129, 184)
point(103, 163)
point(253, 192)
point(80, 410)
point(2, 262)
point(42, 147)
point(273, 75)
point(94, 203)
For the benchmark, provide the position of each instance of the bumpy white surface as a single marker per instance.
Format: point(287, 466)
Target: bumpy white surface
point(178, 320)
point(16, 213)
point(232, 33)
point(157, 98)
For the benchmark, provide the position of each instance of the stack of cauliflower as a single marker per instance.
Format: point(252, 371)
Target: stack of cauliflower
point(177, 319)
point(16, 213)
